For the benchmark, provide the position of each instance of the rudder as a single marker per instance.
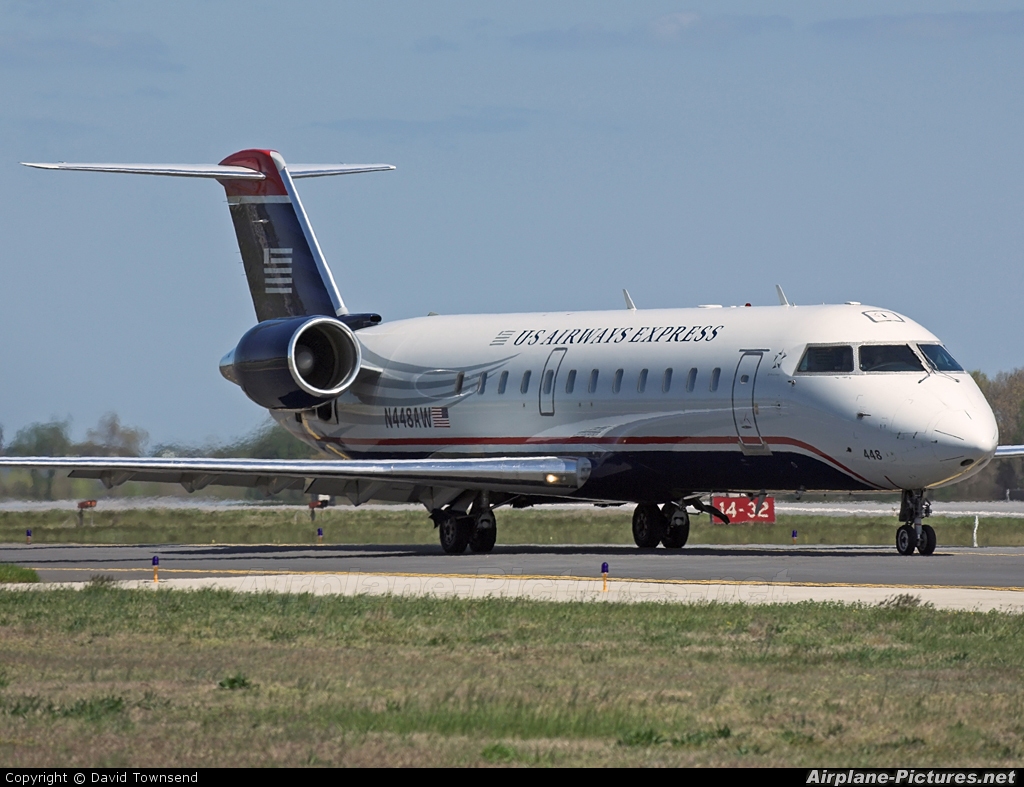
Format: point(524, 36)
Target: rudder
point(285, 268)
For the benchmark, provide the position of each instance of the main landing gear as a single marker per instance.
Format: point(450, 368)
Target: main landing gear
point(476, 529)
point(668, 525)
point(912, 534)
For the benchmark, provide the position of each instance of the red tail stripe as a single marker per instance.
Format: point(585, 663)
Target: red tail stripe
point(261, 161)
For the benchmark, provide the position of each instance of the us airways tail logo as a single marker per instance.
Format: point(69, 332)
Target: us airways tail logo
point(416, 418)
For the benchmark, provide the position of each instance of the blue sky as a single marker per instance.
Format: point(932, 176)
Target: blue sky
point(548, 155)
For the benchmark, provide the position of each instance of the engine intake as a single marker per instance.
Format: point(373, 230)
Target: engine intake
point(295, 363)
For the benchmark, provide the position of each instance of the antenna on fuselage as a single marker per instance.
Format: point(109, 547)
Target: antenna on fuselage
point(782, 295)
point(629, 301)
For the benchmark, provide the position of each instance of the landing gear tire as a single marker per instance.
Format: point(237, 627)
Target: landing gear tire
point(906, 539)
point(485, 532)
point(926, 544)
point(678, 529)
point(454, 533)
point(648, 526)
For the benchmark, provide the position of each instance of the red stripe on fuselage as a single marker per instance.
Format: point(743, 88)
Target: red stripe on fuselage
point(624, 441)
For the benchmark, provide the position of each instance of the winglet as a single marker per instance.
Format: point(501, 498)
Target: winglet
point(629, 301)
point(782, 295)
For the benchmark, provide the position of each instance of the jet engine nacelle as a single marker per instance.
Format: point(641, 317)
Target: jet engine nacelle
point(295, 363)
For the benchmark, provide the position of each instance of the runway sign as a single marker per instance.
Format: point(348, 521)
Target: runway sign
point(741, 509)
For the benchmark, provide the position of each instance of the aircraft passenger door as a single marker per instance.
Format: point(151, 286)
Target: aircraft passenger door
point(548, 381)
point(744, 403)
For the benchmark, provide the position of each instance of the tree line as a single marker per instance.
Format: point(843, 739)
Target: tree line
point(112, 438)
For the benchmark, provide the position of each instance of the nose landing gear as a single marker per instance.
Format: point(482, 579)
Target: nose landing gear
point(912, 534)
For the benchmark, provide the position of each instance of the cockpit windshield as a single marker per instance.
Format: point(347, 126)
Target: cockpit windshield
point(830, 358)
point(889, 358)
point(939, 358)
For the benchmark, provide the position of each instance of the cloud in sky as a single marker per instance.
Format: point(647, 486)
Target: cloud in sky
point(137, 51)
point(668, 30)
point(934, 27)
point(482, 121)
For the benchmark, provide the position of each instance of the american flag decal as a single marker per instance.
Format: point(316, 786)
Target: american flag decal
point(439, 417)
point(277, 271)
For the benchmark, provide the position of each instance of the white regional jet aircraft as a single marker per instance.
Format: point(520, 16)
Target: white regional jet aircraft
point(657, 407)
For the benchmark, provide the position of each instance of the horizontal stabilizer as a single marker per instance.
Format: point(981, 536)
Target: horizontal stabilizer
point(538, 475)
point(217, 171)
point(322, 170)
point(1007, 451)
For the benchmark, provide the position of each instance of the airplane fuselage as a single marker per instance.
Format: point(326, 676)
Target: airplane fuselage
point(666, 402)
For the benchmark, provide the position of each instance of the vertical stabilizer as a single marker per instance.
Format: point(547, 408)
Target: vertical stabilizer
point(287, 273)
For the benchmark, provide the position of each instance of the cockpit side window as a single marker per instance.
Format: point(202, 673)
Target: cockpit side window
point(939, 358)
point(889, 358)
point(831, 359)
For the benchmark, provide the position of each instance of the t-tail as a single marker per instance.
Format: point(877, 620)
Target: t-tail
point(287, 273)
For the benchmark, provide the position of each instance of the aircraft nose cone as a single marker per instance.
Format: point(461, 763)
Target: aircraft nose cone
point(969, 436)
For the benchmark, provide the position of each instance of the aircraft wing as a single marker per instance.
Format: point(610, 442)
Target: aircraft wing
point(1007, 451)
point(354, 478)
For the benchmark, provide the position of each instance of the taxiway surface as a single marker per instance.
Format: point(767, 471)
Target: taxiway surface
point(865, 566)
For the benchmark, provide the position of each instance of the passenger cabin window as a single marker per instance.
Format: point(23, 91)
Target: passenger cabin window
point(549, 381)
point(939, 358)
point(691, 380)
point(592, 387)
point(483, 383)
point(641, 382)
point(502, 382)
point(459, 380)
point(617, 381)
point(570, 381)
point(716, 374)
point(525, 385)
point(889, 358)
point(829, 360)
point(666, 382)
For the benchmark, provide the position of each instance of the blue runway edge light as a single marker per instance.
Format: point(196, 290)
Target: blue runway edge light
point(156, 560)
point(604, 568)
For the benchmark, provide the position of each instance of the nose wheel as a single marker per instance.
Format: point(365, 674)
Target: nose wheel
point(913, 534)
point(906, 540)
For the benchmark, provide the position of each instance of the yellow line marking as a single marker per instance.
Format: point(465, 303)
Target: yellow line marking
point(571, 578)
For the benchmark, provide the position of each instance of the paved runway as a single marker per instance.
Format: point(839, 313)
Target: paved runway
point(963, 567)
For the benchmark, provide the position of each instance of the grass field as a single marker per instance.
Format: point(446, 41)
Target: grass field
point(16, 574)
point(116, 677)
point(527, 526)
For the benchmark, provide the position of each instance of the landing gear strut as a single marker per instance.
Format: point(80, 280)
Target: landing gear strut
point(913, 534)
